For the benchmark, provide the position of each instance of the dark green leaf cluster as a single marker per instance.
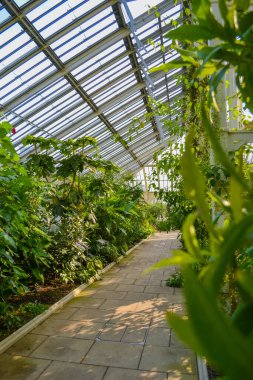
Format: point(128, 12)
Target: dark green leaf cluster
point(233, 38)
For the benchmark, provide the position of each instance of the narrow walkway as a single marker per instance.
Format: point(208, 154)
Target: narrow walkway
point(115, 330)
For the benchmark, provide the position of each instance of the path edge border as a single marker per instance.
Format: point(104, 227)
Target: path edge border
point(18, 334)
point(202, 369)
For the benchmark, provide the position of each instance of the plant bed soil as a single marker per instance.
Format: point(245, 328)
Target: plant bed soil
point(46, 295)
point(212, 373)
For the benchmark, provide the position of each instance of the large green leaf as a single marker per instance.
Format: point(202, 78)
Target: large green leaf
point(212, 334)
point(245, 23)
point(190, 238)
point(237, 200)
point(8, 239)
point(243, 318)
point(194, 182)
point(245, 281)
point(234, 238)
point(190, 33)
point(169, 66)
point(201, 9)
point(185, 332)
point(178, 258)
point(242, 5)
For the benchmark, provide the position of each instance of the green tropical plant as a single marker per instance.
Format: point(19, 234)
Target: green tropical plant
point(175, 280)
point(81, 211)
point(22, 239)
point(221, 331)
point(32, 309)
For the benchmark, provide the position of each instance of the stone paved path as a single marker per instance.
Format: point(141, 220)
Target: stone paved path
point(114, 330)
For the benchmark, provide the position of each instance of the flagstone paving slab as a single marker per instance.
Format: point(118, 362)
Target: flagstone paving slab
point(114, 354)
point(26, 345)
point(166, 359)
point(130, 288)
point(115, 329)
point(64, 349)
point(109, 294)
point(59, 327)
point(95, 315)
point(180, 376)
point(130, 374)
point(65, 312)
point(112, 332)
point(21, 368)
point(70, 371)
point(86, 302)
point(135, 334)
point(140, 296)
point(159, 336)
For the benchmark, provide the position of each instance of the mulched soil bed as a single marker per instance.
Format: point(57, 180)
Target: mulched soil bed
point(46, 295)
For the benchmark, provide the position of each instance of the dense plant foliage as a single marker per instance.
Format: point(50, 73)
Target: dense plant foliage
point(23, 241)
point(219, 295)
point(57, 222)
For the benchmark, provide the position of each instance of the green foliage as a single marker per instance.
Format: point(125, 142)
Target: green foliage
point(233, 49)
point(11, 322)
point(82, 210)
point(22, 239)
point(121, 217)
point(32, 309)
point(157, 214)
point(175, 280)
point(12, 318)
point(52, 216)
point(178, 204)
point(163, 225)
point(220, 293)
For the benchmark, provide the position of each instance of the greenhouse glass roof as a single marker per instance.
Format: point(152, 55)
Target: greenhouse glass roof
point(71, 68)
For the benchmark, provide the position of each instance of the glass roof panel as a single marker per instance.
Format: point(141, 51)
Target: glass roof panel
point(104, 77)
point(121, 85)
point(19, 86)
point(92, 64)
point(124, 159)
point(139, 7)
point(65, 120)
point(43, 97)
point(4, 15)
point(76, 92)
point(51, 111)
point(10, 33)
point(83, 41)
point(89, 27)
point(25, 73)
point(16, 43)
point(60, 15)
point(20, 3)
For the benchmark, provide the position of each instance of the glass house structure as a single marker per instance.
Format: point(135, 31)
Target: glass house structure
point(72, 68)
